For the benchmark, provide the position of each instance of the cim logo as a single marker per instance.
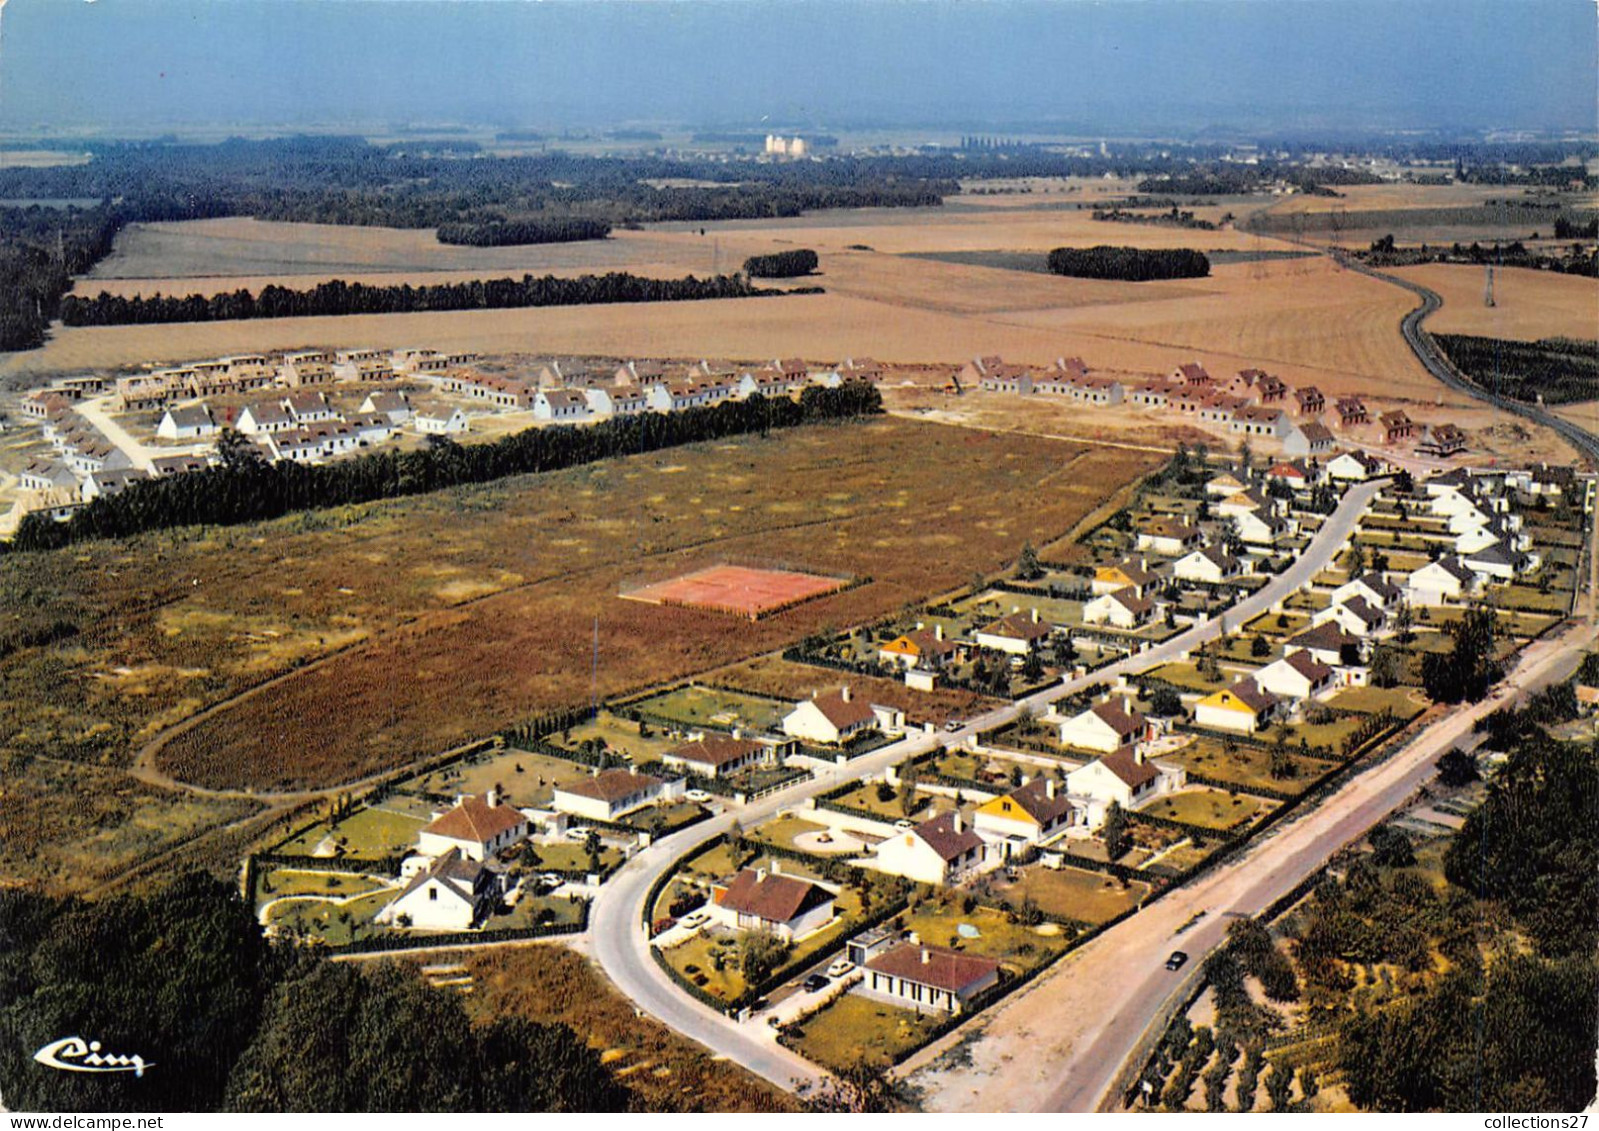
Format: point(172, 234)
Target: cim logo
point(74, 1054)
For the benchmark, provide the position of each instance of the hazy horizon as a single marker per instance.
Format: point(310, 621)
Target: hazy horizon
point(1180, 66)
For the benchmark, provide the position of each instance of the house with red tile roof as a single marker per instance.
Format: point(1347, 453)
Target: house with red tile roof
point(920, 977)
point(760, 900)
point(476, 827)
point(831, 718)
point(942, 850)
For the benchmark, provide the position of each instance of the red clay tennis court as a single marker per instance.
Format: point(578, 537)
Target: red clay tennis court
point(739, 590)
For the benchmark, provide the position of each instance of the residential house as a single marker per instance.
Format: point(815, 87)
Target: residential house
point(1242, 707)
point(308, 407)
point(1396, 426)
point(861, 369)
point(559, 404)
point(943, 850)
point(1018, 634)
point(1355, 467)
point(916, 976)
point(1499, 561)
point(1006, 378)
point(1356, 616)
point(1224, 484)
point(1247, 501)
point(263, 419)
point(1329, 643)
point(1442, 441)
point(610, 794)
point(190, 422)
point(1262, 528)
point(1220, 409)
point(479, 828)
point(111, 481)
point(1352, 413)
point(718, 756)
point(1192, 376)
point(923, 648)
point(1308, 438)
point(46, 475)
point(832, 718)
point(177, 465)
point(1210, 565)
point(390, 403)
point(1447, 580)
point(1242, 383)
point(1126, 777)
point(637, 373)
point(371, 428)
point(1154, 393)
point(305, 370)
point(1030, 814)
point(1298, 675)
point(759, 900)
point(617, 402)
point(1167, 536)
point(437, 423)
point(451, 893)
point(1373, 586)
point(1294, 473)
point(1104, 728)
point(1270, 390)
point(1122, 575)
point(1122, 609)
point(1310, 401)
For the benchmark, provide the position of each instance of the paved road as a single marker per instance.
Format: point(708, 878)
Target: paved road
point(93, 410)
point(616, 922)
point(1084, 1019)
point(1428, 353)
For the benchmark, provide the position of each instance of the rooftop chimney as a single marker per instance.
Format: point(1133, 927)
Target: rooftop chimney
point(1049, 788)
point(957, 824)
point(843, 693)
point(493, 798)
point(632, 767)
point(777, 866)
point(760, 875)
point(938, 632)
point(927, 956)
point(1035, 614)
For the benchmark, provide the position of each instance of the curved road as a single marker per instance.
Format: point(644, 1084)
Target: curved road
point(617, 918)
point(1427, 352)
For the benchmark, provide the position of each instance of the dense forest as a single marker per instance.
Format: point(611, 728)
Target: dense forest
point(228, 1022)
point(1129, 263)
point(337, 297)
point(1557, 370)
point(781, 265)
point(244, 488)
point(502, 234)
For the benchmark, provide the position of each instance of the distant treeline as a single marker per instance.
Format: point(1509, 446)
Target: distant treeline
point(1385, 252)
point(1227, 179)
point(1175, 218)
point(337, 297)
point(252, 490)
point(1560, 370)
point(503, 234)
point(781, 264)
point(1132, 264)
point(1568, 229)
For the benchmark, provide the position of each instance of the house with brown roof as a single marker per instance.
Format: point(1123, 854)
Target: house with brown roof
point(477, 827)
point(1018, 634)
point(1396, 426)
point(1209, 565)
point(1104, 728)
point(831, 718)
point(1122, 608)
point(1126, 777)
point(1357, 616)
point(610, 794)
point(943, 850)
point(1004, 378)
point(1352, 412)
point(1310, 401)
point(761, 900)
point(1328, 643)
point(1270, 389)
point(447, 893)
point(1035, 812)
point(1260, 420)
point(263, 419)
point(718, 755)
point(1121, 575)
point(923, 648)
point(1154, 393)
point(1442, 441)
point(1192, 375)
point(1298, 675)
point(934, 978)
point(1168, 536)
point(1307, 438)
point(1242, 707)
point(560, 404)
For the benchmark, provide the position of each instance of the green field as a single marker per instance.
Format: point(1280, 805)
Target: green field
point(366, 834)
point(1246, 766)
point(1073, 893)
point(709, 707)
point(1209, 808)
point(856, 1030)
point(1013, 944)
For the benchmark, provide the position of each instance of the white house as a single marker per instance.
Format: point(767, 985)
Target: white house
point(560, 404)
point(831, 718)
point(1308, 438)
point(757, 900)
point(438, 424)
point(1373, 586)
point(1445, 580)
point(308, 408)
point(190, 422)
point(1298, 675)
point(1247, 501)
point(1327, 642)
point(940, 851)
point(924, 648)
point(1167, 537)
point(928, 977)
point(1356, 616)
point(452, 893)
point(1261, 528)
point(263, 419)
point(1224, 484)
point(1104, 728)
point(477, 827)
point(110, 481)
point(610, 794)
point(1019, 634)
point(1122, 609)
point(1126, 777)
point(717, 756)
point(390, 403)
point(1500, 562)
point(1211, 565)
point(616, 402)
point(1355, 467)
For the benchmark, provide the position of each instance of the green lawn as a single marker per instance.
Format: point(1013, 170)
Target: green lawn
point(1247, 766)
point(864, 796)
point(856, 1030)
point(523, 778)
point(620, 735)
point(782, 830)
point(568, 856)
point(278, 883)
point(1279, 624)
point(366, 834)
point(1020, 947)
point(1209, 808)
point(1529, 597)
point(1375, 700)
point(531, 911)
point(708, 707)
point(332, 923)
point(1185, 675)
point(1073, 893)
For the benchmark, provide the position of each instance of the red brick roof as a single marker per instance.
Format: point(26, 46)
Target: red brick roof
point(476, 820)
point(948, 970)
point(611, 785)
point(775, 898)
point(716, 750)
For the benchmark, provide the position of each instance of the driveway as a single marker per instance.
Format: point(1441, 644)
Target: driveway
point(616, 921)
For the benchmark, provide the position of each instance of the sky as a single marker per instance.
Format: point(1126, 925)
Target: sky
point(1173, 67)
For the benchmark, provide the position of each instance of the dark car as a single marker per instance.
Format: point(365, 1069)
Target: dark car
point(815, 982)
point(1175, 962)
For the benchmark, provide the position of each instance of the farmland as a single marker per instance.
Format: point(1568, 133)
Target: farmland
point(357, 614)
point(1528, 304)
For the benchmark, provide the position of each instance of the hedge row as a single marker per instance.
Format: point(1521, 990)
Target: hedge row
point(463, 938)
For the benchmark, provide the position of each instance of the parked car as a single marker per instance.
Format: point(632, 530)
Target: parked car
point(695, 920)
point(1175, 962)
point(902, 823)
point(577, 832)
point(839, 968)
point(953, 725)
point(815, 982)
point(697, 795)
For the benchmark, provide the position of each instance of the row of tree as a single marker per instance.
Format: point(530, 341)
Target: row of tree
point(1133, 264)
point(513, 233)
point(1553, 370)
point(246, 489)
point(337, 297)
point(781, 264)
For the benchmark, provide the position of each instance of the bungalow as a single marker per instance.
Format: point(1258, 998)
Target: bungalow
point(1121, 609)
point(41, 404)
point(1440, 582)
point(1192, 376)
point(1218, 408)
point(1242, 707)
point(1122, 575)
point(559, 404)
point(1373, 586)
point(923, 648)
point(1498, 561)
point(1188, 401)
point(1352, 413)
point(1167, 536)
point(479, 828)
point(1211, 565)
point(177, 465)
point(1155, 393)
point(758, 900)
point(298, 372)
point(929, 977)
point(1243, 382)
point(1396, 426)
point(191, 422)
point(390, 402)
point(1261, 528)
point(1223, 485)
point(1295, 473)
point(631, 373)
point(1007, 379)
point(718, 756)
point(831, 719)
point(1094, 390)
point(57, 503)
point(308, 407)
point(610, 794)
point(297, 445)
point(940, 851)
point(371, 428)
point(1270, 389)
point(1308, 438)
point(263, 419)
point(1442, 441)
point(861, 369)
point(1247, 501)
point(1355, 467)
point(435, 423)
point(766, 383)
point(1126, 777)
point(1018, 634)
point(1329, 643)
point(617, 402)
point(1356, 616)
point(111, 481)
point(452, 893)
point(1104, 728)
point(1310, 401)
point(45, 475)
point(973, 372)
point(1033, 813)
point(1298, 675)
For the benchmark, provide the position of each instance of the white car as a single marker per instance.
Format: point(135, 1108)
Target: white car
point(904, 824)
point(694, 920)
point(697, 795)
point(840, 968)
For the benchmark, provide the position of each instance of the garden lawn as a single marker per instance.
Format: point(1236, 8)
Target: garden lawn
point(522, 777)
point(1015, 945)
point(1246, 767)
point(856, 1030)
point(1374, 700)
point(1074, 893)
point(367, 834)
point(279, 883)
point(709, 707)
point(1208, 808)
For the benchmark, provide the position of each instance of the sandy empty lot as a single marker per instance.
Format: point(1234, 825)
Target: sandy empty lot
point(1528, 304)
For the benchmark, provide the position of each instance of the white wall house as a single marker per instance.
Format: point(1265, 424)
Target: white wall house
point(1298, 675)
point(1125, 777)
point(940, 851)
point(830, 718)
point(439, 424)
point(1446, 580)
point(760, 900)
point(477, 827)
point(191, 422)
point(1104, 728)
point(610, 794)
point(928, 977)
point(451, 893)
